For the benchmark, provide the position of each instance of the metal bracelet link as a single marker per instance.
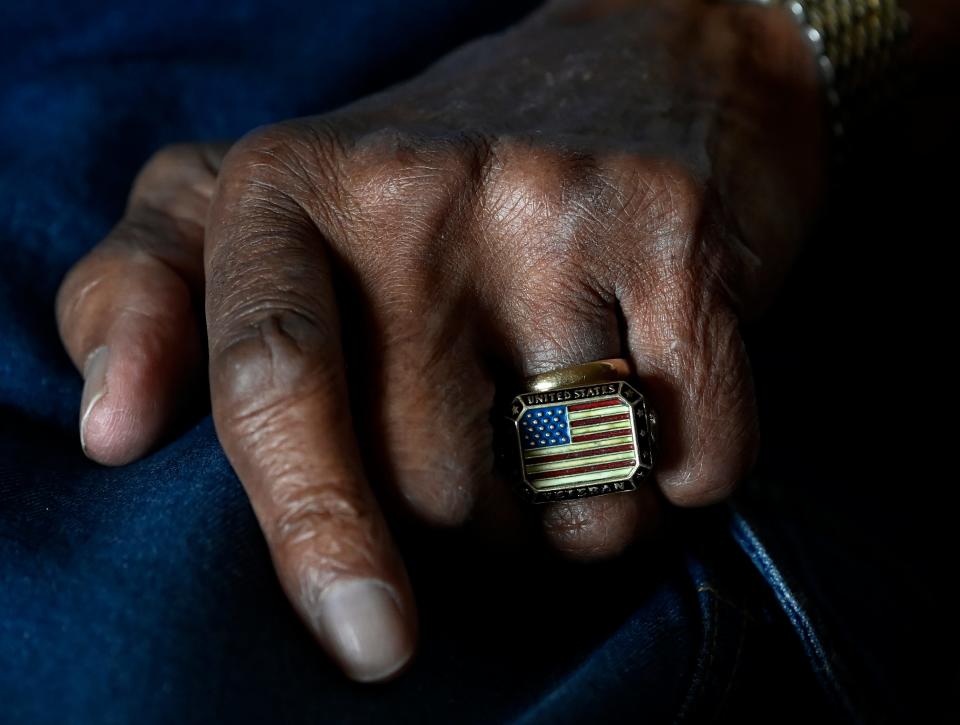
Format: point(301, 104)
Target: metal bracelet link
point(856, 44)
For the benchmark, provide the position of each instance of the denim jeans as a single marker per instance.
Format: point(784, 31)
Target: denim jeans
point(145, 593)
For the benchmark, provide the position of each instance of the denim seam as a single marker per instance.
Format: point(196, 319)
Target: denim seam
point(822, 658)
point(719, 596)
point(743, 617)
point(735, 664)
point(704, 659)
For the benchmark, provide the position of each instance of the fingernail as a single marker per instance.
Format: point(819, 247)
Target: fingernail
point(94, 387)
point(364, 628)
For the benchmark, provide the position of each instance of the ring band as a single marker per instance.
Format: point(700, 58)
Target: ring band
point(582, 431)
point(599, 371)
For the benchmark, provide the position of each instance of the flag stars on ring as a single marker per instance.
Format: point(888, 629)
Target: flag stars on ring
point(544, 427)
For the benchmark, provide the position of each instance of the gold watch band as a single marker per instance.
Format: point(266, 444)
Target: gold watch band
point(856, 44)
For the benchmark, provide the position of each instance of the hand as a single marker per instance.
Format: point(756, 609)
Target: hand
point(597, 182)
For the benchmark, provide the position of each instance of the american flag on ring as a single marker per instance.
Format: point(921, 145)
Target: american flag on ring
point(581, 443)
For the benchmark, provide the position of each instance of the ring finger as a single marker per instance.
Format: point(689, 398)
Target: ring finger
point(558, 328)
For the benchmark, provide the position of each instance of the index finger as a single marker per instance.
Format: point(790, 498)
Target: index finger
point(282, 413)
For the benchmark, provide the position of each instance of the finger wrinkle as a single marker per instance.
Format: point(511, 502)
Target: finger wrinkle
point(315, 510)
point(335, 550)
point(255, 403)
point(78, 299)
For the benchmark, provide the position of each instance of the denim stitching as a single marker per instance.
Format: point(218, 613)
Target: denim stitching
point(735, 668)
point(719, 596)
point(704, 659)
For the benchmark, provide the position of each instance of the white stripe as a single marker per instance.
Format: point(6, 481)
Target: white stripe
point(572, 447)
point(577, 462)
point(614, 474)
point(600, 428)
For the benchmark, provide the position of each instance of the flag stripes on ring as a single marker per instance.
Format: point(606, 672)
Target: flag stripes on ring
point(581, 443)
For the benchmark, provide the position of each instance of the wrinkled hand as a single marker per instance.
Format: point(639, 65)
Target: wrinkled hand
point(624, 182)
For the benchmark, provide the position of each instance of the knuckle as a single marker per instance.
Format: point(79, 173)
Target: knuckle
point(525, 185)
point(293, 159)
point(273, 354)
point(175, 185)
point(171, 232)
point(171, 158)
point(136, 286)
point(536, 171)
point(663, 203)
point(80, 280)
point(389, 164)
point(541, 208)
point(408, 207)
point(79, 298)
point(330, 511)
point(322, 532)
point(263, 147)
point(672, 198)
point(261, 157)
point(402, 187)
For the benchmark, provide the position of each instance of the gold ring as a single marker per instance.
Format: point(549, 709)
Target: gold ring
point(582, 431)
point(599, 371)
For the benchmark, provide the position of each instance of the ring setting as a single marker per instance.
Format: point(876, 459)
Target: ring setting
point(582, 431)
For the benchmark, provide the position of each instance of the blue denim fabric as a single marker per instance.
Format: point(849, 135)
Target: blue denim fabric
point(145, 594)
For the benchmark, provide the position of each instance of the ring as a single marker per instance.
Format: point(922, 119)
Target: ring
point(582, 431)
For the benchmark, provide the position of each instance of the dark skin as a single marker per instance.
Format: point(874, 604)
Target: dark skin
point(606, 179)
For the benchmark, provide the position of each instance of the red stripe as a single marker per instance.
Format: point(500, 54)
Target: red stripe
point(595, 404)
point(580, 454)
point(604, 434)
point(597, 421)
point(580, 469)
